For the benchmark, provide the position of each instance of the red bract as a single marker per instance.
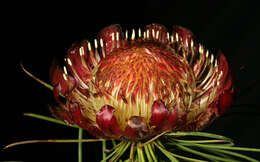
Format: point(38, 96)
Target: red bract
point(137, 84)
point(107, 122)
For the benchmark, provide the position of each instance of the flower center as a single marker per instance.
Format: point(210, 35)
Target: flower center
point(132, 77)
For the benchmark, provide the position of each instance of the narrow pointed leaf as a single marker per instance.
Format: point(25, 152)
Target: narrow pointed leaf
point(147, 153)
point(205, 155)
point(120, 145)
point(151, 150)
point(140, 153)
point(217, 146)
point(80, 137)
point(236, 154)
point(52, 141)
point(37, 79)
point(46, 118)
point(103, 149)
point(166, 153)
point(199, 134)
point(179, 156)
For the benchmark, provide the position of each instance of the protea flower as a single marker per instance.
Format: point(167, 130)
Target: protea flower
point(135, 85)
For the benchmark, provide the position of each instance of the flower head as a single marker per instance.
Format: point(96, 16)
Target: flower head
point(137, 84)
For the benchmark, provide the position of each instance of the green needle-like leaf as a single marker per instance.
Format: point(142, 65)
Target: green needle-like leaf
point(140, 153)
point(199, 134)
point(166, 153)
point(180, 156)
point(236, 154)
point(113, 142)
point(80, 145)
point(46, 118)
point(205, 155)
point(151, 150)
point(52, 141)
point(120, 145)
point(213, 151)
point(202, 141)
point(37, 79)
point(125, 148)
point(103, 149)
point(132, 150)
point(147, 153)
point(218, 146)
point(120, 152)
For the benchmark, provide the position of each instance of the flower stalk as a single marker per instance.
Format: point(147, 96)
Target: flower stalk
point(80, 137)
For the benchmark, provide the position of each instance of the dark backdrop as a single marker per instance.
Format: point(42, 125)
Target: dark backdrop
point(36, 33)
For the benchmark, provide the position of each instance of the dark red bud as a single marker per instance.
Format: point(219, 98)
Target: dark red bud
point(106, 35)
point(226, 78)
point(157, 28)
point(107, 122)
point(225, 101)
point(56, 92)
point(79, 119)
point(222, 64)
point(79, 62)
point(57, 79)
point(224, 69)
point(159, 114)
point(172, 120)
point(184, 33)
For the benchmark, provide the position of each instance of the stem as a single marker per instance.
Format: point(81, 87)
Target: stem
point(104, 149)
point(52, 141)
point(113, 142)
point(131, 152)
point(80, 145)
point(152, 139)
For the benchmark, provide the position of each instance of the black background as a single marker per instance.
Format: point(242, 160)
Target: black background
point(36, 33)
